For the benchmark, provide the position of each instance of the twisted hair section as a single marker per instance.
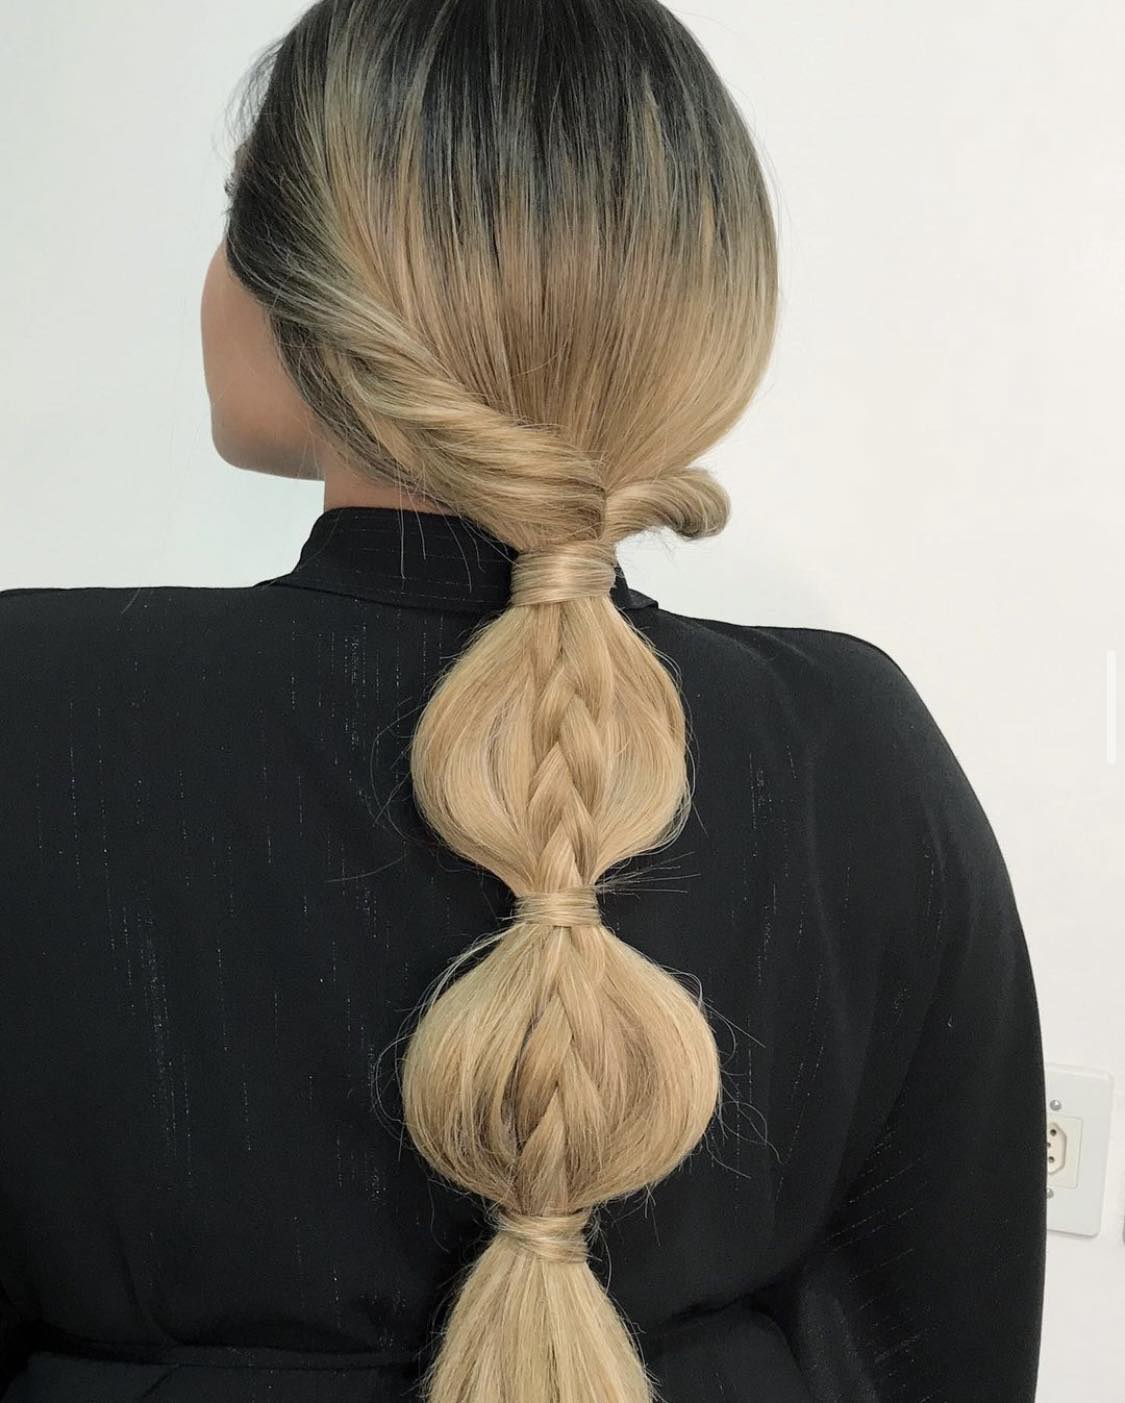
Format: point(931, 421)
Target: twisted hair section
point(519, 258)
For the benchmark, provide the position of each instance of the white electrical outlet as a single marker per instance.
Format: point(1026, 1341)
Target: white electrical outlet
point(1079, 1107)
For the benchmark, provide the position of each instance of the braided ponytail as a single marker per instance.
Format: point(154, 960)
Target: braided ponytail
point(565, 1069)
point(519, 258)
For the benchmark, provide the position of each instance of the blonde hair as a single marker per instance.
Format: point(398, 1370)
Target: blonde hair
point(519, 257)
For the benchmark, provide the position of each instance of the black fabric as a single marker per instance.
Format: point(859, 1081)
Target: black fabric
point(221, 910)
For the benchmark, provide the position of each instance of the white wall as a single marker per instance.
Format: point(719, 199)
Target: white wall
point(934, 462)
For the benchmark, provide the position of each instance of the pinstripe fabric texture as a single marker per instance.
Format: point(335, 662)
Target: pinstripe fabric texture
point(221, 910)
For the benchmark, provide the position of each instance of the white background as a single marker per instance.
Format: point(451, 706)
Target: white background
point(934, 461)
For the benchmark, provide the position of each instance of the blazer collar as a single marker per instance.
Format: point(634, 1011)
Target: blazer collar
point(420, 560)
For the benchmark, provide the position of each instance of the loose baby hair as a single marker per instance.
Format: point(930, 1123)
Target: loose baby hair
point(518, 257)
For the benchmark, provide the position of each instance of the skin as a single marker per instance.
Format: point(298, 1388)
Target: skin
point(258, 419)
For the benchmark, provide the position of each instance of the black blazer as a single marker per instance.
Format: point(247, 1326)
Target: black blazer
point(221, 908)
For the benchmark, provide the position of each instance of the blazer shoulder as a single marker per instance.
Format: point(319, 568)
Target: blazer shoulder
point(25, 591)
point(46, 631)
point(864, 705)
point(817, 646)
point(22, 606)
point(830, 661)
point(112, 601)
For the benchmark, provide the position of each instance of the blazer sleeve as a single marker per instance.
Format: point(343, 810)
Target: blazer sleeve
point(926, 1283)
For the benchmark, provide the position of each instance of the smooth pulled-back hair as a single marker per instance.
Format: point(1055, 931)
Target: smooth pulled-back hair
point(519, 258)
